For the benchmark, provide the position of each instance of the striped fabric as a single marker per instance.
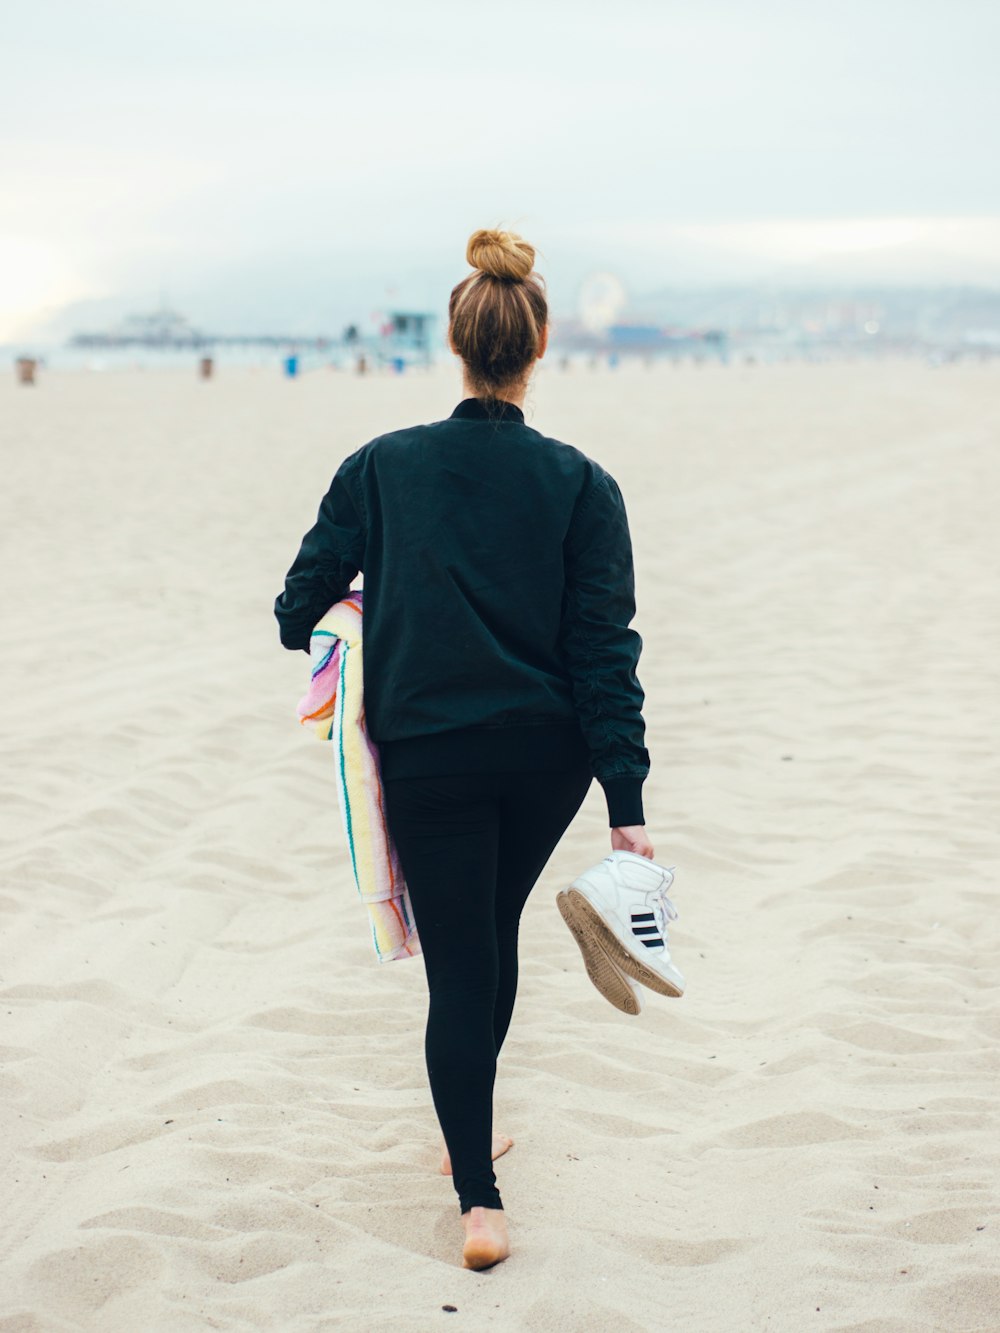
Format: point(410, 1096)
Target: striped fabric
point(335, 704)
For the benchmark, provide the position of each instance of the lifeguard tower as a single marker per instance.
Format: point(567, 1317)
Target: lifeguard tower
point(406, 338)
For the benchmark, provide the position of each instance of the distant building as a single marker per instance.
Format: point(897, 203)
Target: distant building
point(653, 339)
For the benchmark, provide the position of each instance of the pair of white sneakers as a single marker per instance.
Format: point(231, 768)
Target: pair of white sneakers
point(619, 912)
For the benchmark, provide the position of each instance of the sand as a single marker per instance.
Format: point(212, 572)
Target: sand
point(215, 1107)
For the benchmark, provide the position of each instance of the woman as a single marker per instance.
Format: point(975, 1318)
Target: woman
point(499, 677)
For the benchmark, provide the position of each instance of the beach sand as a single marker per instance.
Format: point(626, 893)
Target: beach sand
point(216, 1113)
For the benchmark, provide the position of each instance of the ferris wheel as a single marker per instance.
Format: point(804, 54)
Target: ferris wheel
point(602, 299)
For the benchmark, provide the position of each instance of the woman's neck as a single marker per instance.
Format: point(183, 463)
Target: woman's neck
point(514, 394)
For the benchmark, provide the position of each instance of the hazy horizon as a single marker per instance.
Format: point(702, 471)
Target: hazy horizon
point(260, 167)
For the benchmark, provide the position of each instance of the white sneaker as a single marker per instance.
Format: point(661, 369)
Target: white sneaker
point(620, 908)
point(602, 969)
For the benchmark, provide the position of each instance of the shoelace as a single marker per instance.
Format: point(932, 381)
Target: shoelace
point(663, 910)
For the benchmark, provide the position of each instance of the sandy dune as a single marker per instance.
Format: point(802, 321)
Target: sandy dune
point(215, 1107)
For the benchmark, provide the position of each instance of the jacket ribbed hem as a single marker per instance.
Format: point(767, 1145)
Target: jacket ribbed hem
point(624, 797)
point(550, 747)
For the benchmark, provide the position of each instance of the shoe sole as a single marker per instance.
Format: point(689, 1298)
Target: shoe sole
point(601, 969)
point(591, 929)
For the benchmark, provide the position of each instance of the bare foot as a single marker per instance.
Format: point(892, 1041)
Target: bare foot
point(486, 1240)
point(501, 1142)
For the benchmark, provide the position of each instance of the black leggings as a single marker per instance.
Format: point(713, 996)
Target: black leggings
point(472, 847)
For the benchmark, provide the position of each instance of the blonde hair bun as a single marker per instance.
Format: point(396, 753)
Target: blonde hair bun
point(500, 254)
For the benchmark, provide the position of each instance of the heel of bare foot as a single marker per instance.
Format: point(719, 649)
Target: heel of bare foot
point(486, 1239)
point(501, 1142)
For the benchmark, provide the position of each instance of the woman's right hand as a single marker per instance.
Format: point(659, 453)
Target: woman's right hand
point(632, 838)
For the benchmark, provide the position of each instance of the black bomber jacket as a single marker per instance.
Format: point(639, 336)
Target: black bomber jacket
point(498, 588)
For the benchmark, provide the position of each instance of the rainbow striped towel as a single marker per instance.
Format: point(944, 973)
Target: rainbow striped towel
point(335, 703)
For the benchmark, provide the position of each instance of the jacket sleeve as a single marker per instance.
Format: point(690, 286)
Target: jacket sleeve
point(601, 652)
point(331, 554)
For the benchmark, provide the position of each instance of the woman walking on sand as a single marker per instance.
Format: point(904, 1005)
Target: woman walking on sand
point(499, 678)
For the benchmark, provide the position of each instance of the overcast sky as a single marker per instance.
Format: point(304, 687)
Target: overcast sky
point(287, 163)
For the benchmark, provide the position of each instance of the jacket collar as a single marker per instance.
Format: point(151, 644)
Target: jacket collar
point(488, 409)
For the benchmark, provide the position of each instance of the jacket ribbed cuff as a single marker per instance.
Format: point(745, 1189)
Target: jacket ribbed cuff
point(624, 797)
